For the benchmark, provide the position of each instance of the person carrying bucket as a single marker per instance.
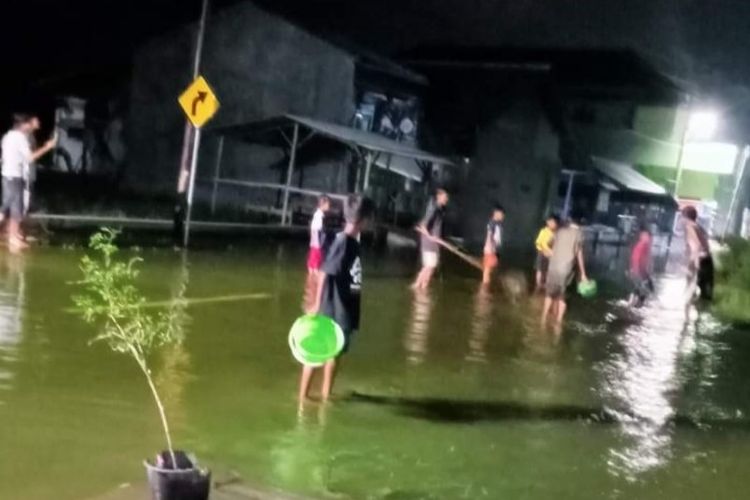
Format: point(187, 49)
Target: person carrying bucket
point(567, 252)
point(338, 293)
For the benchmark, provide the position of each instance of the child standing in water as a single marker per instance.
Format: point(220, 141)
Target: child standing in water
point(315, 255)
point(640, 269)
point(492, 243)
point(338, 294)
point(543, 246)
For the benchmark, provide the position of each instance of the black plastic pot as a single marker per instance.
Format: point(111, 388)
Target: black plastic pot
point(184, 483)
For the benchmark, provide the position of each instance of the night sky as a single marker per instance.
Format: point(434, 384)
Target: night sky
point(84, 46)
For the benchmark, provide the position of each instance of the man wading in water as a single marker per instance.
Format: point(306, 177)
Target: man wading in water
point(431, 227)
point(17, 158)
point(566, 253)
point(700, 274)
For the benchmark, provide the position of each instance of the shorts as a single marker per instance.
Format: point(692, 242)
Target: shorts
point(430, 258)
point(557, 284)
point(314, 258)
point(542, 263)
point(705, 278)
point(491, 260)
point(13, 197)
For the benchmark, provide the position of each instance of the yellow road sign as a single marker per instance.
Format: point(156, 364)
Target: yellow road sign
point(199, 102)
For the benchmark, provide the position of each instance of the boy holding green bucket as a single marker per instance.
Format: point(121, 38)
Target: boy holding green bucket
point(338, 293)
point(567, 254)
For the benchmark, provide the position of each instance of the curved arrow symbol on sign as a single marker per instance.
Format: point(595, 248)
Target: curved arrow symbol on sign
point(200, 98)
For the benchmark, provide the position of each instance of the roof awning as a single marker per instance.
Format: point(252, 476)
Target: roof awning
point(401, 158)
point(368, 140)
point(626, 177)
point(401, 166)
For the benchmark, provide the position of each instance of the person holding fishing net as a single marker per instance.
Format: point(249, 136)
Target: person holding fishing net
point(431, 230)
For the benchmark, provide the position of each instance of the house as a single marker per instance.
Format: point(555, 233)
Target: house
point(525, 118)
point(299, 116)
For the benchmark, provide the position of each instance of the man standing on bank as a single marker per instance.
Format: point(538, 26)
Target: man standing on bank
point(430, 228)
point(17, 157)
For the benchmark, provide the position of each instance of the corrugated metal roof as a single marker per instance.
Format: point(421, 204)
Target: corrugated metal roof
point(402, 166)
point(368, 140)
point(627, 177)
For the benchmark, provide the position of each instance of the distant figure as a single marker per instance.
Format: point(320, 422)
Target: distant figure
point(492, 243)
point(567, 252)
point(640, 269)
point(543, 244)
point(338, 294)
point(700, 274)
point(17, 156)
point(431, 227)
point(317, 236)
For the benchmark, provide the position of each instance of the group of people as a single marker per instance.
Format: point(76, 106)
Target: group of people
point(335, 267)
point(559, 251)
point(19, 154)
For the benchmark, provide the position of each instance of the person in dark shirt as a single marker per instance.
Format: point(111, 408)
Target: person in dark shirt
point(492, 243)
point(338, 294)
point(430, 228)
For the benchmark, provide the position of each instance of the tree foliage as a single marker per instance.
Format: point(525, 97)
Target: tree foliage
point(109, 297)
point(732, 297)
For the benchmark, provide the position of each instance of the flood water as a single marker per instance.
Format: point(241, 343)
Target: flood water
point(449, 395)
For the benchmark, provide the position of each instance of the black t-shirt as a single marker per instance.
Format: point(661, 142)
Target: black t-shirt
point(343, 281)
point(433, 221)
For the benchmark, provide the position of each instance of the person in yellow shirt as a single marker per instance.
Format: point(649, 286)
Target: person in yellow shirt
point(543, 245)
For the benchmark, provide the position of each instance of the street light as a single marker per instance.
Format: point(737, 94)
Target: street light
point(701, 125)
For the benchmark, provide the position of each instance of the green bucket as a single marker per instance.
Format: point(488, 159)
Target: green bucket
point(315, 339)
point(587, 289)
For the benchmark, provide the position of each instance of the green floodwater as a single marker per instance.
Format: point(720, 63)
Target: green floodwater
point(456, 394)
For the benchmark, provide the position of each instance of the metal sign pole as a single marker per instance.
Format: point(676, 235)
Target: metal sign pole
point(217, 171)
point(191, 187)
point(186, 137)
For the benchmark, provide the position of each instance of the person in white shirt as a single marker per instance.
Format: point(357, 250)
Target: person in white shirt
point(17, 156)
point(317, 235)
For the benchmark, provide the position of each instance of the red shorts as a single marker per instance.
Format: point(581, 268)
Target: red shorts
point(314, 258)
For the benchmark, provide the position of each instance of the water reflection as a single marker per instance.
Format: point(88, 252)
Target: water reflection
point(701, 357)
point(639, 380)
point(175, 359)
point(481, 322)
point(417, 333)
point(12, 301)
point(298, 457)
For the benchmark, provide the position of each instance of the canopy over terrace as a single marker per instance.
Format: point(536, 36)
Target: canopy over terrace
point(400, 158)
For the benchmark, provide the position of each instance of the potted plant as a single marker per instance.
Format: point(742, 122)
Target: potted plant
point(110, 298)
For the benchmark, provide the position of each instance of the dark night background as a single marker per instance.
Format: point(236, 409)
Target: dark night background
point(84, 47)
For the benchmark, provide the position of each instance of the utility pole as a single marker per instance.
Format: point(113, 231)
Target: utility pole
point(188, 160)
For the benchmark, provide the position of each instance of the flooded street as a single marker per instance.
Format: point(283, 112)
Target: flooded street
point(456, 393)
